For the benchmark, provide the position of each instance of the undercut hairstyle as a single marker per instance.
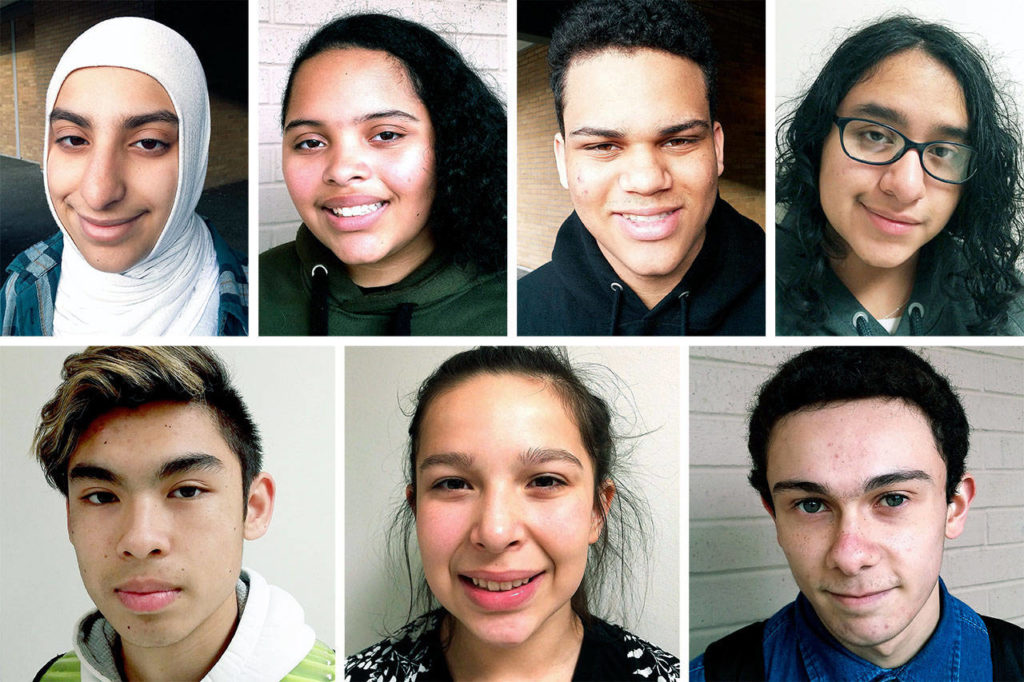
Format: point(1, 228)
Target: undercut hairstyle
point(984, 238)
point(104, 378)
point(824, 376)
point(614, 561)
point(468, 216)
point(593, 26)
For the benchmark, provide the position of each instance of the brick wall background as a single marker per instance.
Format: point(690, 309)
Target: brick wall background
point(476, 27)
point(541, 202)
point(738, 574)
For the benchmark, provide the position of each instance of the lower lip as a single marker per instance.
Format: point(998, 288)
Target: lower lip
point(106, 233)
point(501, 601)
point(866, 601)
point(890, 227)
point(146, 602)
point(356, 222)
point(649, 231)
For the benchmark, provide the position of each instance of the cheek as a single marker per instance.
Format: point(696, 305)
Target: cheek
point(410, 175)
point(589, 182)
point(61, 176)
point(439, 532)
point(302, 178)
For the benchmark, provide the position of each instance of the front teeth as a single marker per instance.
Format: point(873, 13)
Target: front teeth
point(350, 211)
point(645, 218)
point(492, 586)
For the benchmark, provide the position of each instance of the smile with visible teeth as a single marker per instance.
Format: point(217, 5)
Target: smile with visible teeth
point(645, 218)
point(350, 211)
point(492, 586)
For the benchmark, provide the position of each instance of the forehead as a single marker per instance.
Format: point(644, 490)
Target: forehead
point(843, 444)
point(352, 80)
point(140, 440)
point(639, 89)
point(112, 92)
point(924, 92)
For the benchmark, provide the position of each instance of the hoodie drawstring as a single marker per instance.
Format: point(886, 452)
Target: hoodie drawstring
point(684, 310)
point(916, 313)
point(401, 320)
point(860, 322)
point(318, 304)
point(616, 306)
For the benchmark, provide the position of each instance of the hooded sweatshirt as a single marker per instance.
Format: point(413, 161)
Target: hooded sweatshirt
point(303, 285)
point(579, 294)
point(270, 641)
point(173, 290)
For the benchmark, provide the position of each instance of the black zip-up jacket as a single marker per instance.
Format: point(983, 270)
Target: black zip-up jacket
point(579, 294)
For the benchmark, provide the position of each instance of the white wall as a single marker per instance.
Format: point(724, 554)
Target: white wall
point(380, 380)
point(738, 574)
point(475, 27)
point(290, 392)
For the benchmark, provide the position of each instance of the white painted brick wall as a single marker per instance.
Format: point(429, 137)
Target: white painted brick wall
point(476, 27)
point(738, 574)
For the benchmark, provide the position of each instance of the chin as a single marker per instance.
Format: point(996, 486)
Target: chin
point(506, 632)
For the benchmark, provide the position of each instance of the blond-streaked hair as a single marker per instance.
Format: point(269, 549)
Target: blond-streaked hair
point(103, 378)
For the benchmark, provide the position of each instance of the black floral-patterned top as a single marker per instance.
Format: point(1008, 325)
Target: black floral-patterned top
point(414, 654)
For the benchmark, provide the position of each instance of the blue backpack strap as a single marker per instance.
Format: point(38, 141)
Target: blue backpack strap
point(1006, 642)
point(738, 657)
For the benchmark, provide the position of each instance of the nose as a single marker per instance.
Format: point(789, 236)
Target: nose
point(904, 179)
point(498, 524)
point(645, 172)
point(102, 184)
point(346, 163)
point(143, 532)
point(852, 550)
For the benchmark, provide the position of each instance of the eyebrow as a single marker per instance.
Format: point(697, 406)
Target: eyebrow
point(372, 116)
point(189, 462)
point(588, 131)
point(128, 122)
point(873, 483)
point(533, 456)
point(898, 118)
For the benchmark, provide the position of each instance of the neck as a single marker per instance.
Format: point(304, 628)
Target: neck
point(651, 289)
point(394, 267)
point(904, 646)
point(188, 659)
point(882, 291)
point(549, 654)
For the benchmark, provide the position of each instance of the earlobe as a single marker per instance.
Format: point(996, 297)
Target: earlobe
point(719, 137)
point(259, 506)
point(604, 500)
point(768, 508)
point(560, 160)
point(67, 516)
point(410, 498)
point(956, 511)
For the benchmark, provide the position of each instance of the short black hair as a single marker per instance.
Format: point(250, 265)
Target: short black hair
point(593, 26)
point(835, 374)
point(984, 237)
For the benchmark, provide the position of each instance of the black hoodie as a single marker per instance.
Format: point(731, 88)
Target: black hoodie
point(579, 294)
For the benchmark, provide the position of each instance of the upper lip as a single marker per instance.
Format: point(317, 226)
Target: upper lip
point(110, 222)
point(499, 576)
point(349, 200)
point(895, 217)
point(647, 211)
point(145, 586)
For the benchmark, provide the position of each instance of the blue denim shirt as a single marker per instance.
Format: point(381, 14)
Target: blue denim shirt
point(797, 646)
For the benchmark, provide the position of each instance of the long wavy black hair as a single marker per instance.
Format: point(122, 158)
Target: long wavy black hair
point(986, 226)
point(468, 217)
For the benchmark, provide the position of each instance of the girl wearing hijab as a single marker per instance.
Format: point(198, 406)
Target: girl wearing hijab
point(123, 174)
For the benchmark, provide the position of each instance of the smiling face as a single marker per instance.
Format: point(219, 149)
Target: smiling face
point(887, 213)
point(504, 504)
point(358, 160)
point(112, 163)
point(641, 159)
point(155, 518)
point(861, 514)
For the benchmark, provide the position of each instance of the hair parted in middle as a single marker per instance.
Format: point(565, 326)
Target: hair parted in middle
point(593, 26)
point(623, 543)
point(985, 232)
point(835, 374)
point(104, 378)
point(468, 216)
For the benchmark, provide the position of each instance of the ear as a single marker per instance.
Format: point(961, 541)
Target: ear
point(956, 511)
point(410, 498)
point(719, 138)
point(767, 508)
point(560, 160)
point(604, 500)
point(259, 506)
point(67, 516)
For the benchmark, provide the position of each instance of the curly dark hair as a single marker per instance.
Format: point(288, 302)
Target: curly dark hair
point(596, 25)
point(984, 237)
point(468, 217)
point(832, 374)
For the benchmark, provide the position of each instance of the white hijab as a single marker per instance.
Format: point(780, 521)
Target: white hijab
point(173, 290)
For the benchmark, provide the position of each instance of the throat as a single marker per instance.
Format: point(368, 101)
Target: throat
point(884, 292)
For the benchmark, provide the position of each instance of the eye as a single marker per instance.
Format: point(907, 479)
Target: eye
point(451, 484)
point(151, 145)
point(387, 136)
point(680, 142)
point(894, 500)
point(309, 144)
point(601, 147)
point(100, 498)
point(547, 481)
point(186, 492)
point(71, 141)
point(810, 506)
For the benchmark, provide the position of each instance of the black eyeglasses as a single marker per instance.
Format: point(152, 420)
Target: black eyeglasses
point(877, 144)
